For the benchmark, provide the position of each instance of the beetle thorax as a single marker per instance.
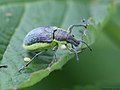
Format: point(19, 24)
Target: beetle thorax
point(61, 35)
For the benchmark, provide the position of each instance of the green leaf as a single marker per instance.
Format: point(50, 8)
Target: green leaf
point(17, 18)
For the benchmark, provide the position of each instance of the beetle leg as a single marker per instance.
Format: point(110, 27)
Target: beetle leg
point(33, 58)
point(73, 49)
point(54, 56)
point(78, 25)
point(56, 47)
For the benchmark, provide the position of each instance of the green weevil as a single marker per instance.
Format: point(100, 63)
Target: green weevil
point(43, 38)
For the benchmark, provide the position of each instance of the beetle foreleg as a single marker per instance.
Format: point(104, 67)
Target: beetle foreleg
point(73, 49)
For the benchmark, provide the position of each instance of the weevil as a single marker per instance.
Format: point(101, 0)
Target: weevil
point(43, 38)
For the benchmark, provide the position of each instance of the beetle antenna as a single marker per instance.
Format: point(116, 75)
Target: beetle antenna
point(86, 45)
point(85, 25)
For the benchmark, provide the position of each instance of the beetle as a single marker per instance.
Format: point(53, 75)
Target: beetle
point(43, 38)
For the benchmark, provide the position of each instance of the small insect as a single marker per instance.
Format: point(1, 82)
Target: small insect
point(43, 38)
point(3, 66)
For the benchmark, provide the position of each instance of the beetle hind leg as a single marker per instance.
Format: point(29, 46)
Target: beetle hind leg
point(33, 58)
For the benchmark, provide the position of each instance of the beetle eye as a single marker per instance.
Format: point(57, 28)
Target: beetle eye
point(73, 35)
point(84, 20)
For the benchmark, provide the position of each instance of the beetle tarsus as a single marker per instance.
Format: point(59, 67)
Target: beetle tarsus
point(22, 68)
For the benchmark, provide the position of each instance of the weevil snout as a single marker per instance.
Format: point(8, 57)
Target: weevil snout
point(72, 40)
